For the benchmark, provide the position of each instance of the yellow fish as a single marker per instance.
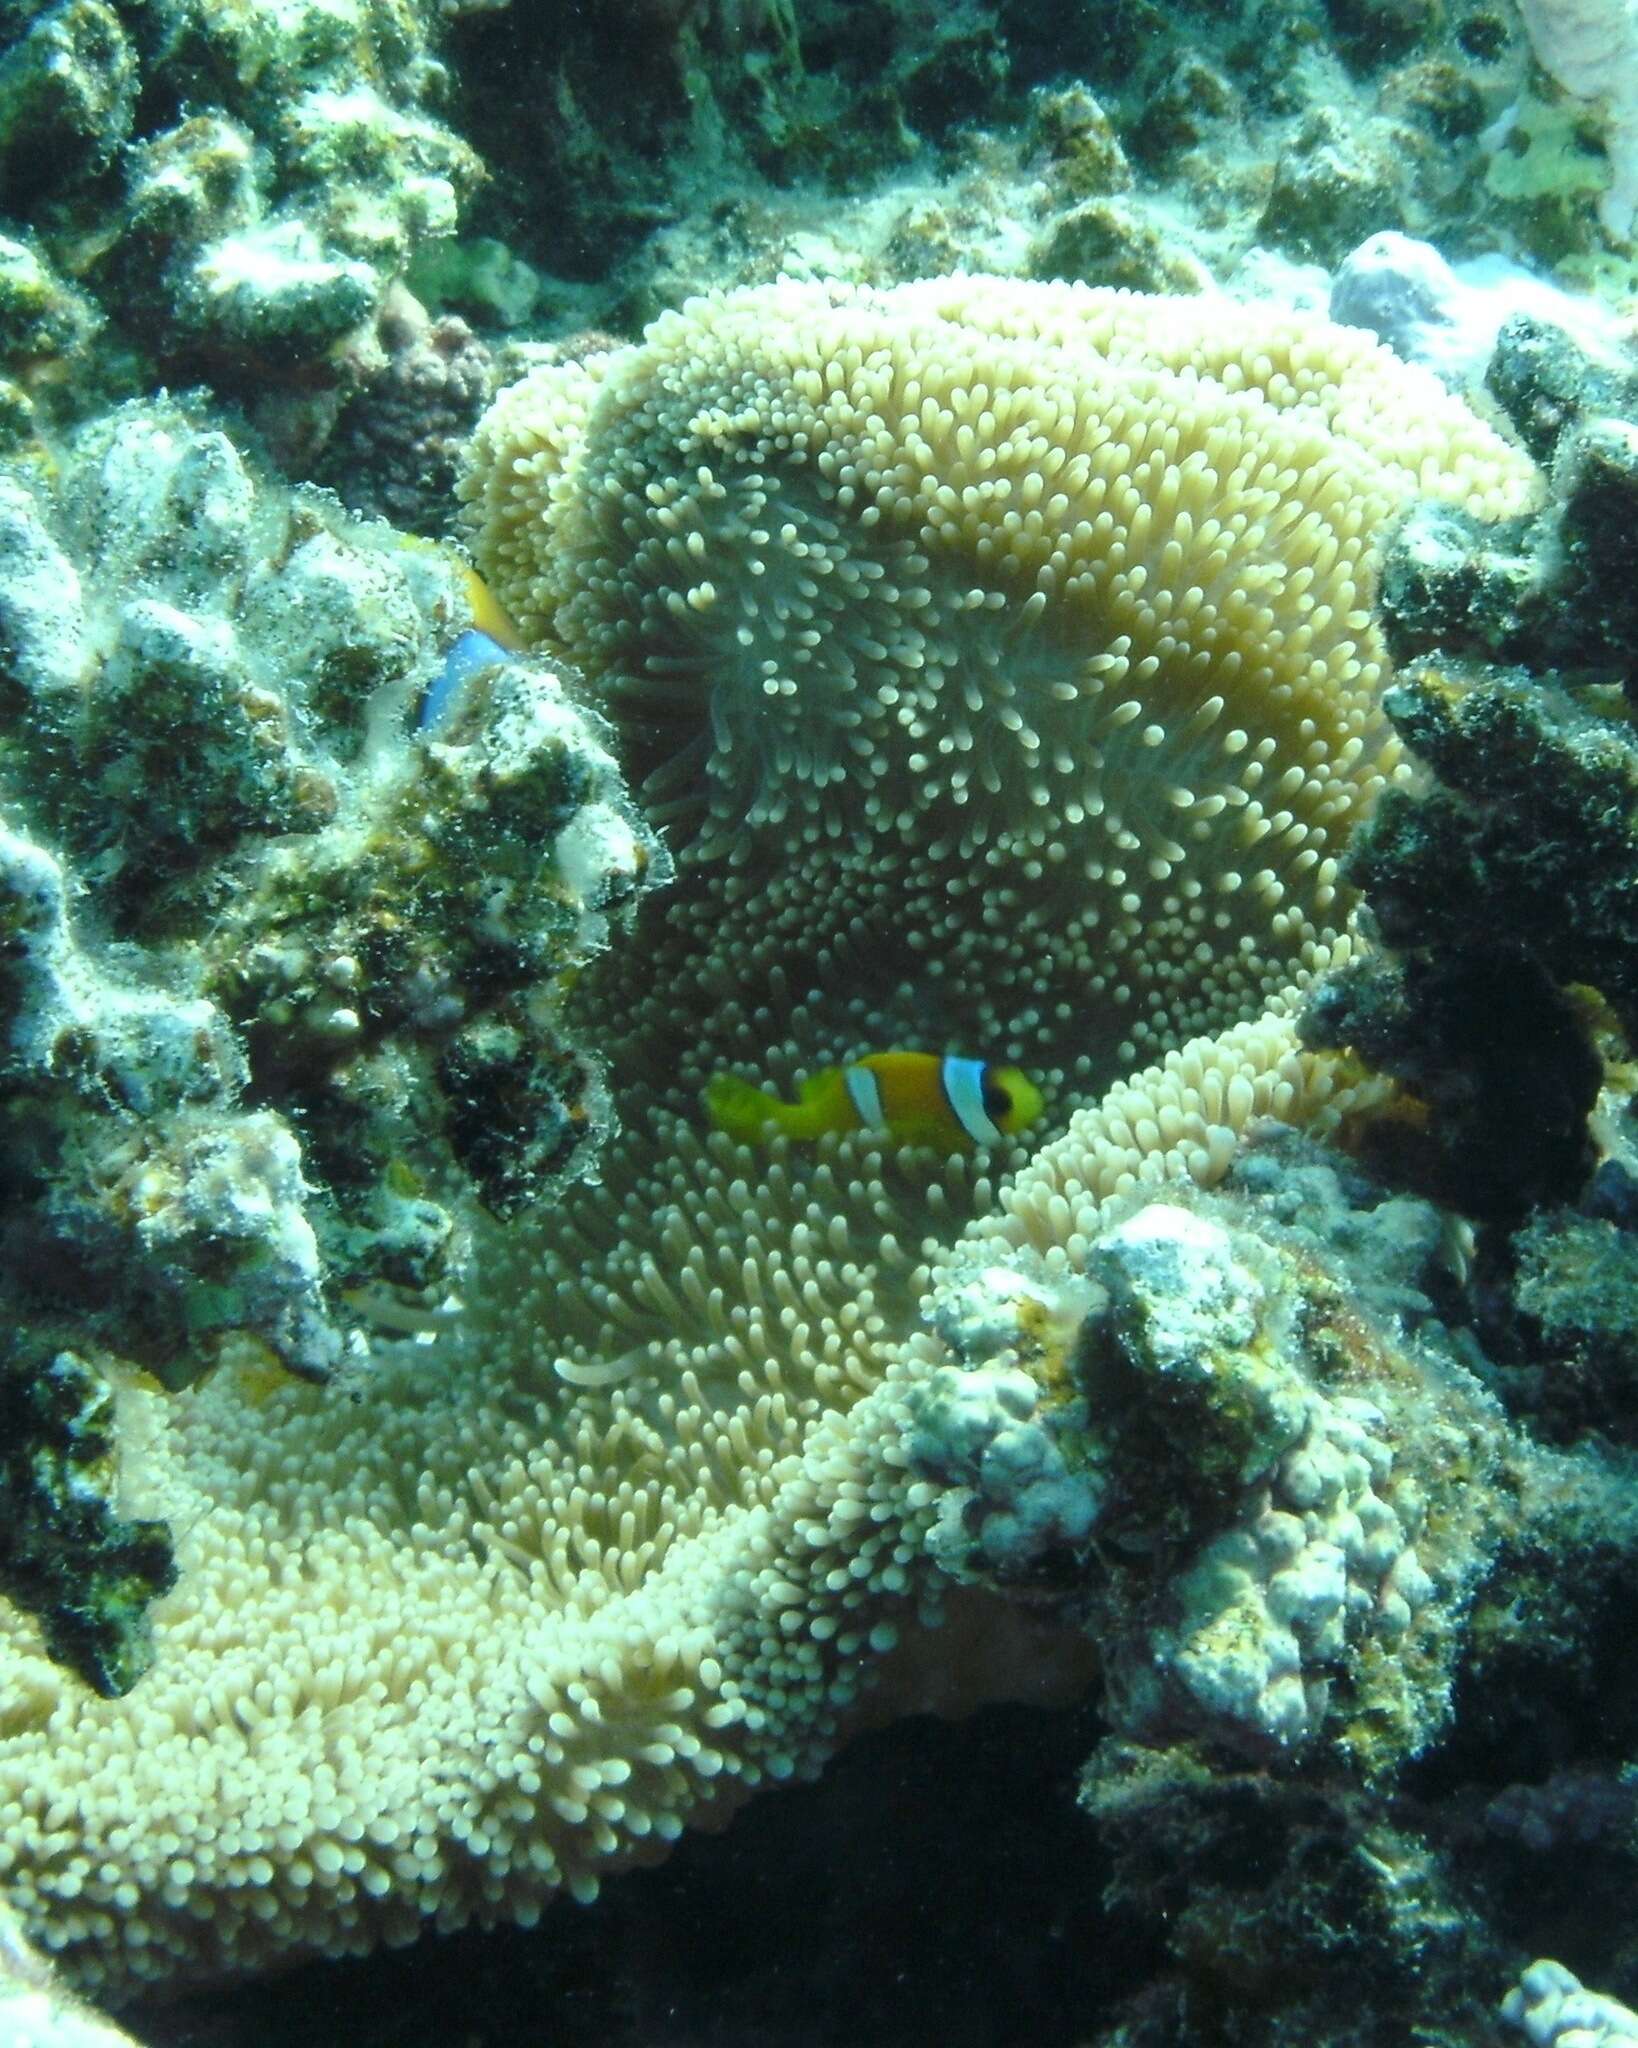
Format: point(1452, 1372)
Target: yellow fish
point(489, 616)
point(916, 1098)
point(491, 638)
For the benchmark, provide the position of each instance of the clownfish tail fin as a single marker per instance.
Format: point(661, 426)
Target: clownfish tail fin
point(743, 1110)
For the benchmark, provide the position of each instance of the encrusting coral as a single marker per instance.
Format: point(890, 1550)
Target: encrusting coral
point(1083, 581)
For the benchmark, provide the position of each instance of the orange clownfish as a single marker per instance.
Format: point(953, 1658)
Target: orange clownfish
point(915, 1098)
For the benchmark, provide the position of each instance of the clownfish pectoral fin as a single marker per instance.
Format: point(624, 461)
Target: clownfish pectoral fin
point(744, 1111)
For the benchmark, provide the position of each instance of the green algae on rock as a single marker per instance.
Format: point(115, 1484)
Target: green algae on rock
point(67, 1553)
point(1509, 880)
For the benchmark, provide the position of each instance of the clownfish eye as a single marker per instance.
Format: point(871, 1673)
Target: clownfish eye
point(997, 1101)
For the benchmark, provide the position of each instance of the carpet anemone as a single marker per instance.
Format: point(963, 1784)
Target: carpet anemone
point(1001, 659)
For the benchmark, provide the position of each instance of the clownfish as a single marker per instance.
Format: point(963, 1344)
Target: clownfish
point(916, 1098)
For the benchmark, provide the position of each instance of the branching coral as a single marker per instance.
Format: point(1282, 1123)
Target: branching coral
point(1082, 583)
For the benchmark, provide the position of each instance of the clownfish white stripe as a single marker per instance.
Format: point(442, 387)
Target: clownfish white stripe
point(865, 1093)
point(963, 1083)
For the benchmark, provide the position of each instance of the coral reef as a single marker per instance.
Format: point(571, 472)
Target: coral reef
point(232, 190)
point(1296, 1908)
point(1450, 315)
point(1550, 591)
point(273, 1036)
point(1590, 48)
point(1499, 887)
point(1536, 812)
point(667, 1495)
point(237, 192)
point(334, 943)
point(1156, 1410)
point(1263, 1478)
point(1503, 888)
point(1576, 1287)
point(67, 1555)
point(146, 1205)
point(68, 90)
point(719, 1642)
point(437, 1470)
point(1504, 885)
point(1549, 378)
point(1499, 882)
point(1312, 1903)
point(647, 1482)
point(1368, 1873)
point(394, 451)
point(880, 143)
